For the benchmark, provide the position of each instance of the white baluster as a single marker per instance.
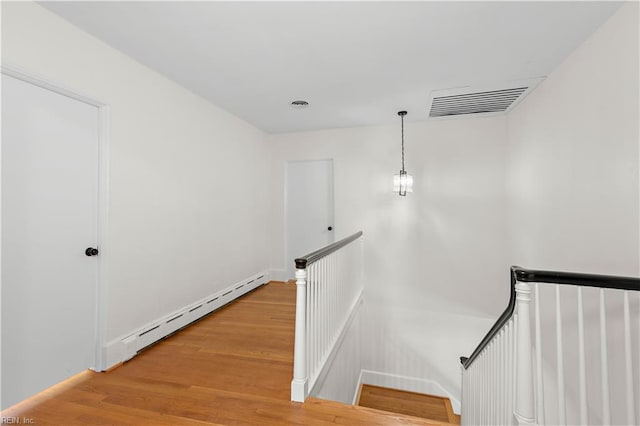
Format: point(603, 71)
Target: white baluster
point(604, 363)
point(489, 379)
point(506, 414)
point(465, 396)
point(505, 375)
point(492, 382)
point(331, 281)
point(467, 410)
point(333, 324)
point(299, 383)
point(328, 332)
point(313, 288)
point(511, 371)
point(496, 384)
point(315, 327)
point(463, 399)
point(478, 392)
point(489, 399)
point(524, 409)
point(562, 416)
point(469, 413)
point(322, 318)
point(480, 388)
point(481, 383)
point(476, 395)
point(319, 315)
point(322, 334)
point(309, 328)
point(499, 373)
point(507, 348)
point(631, 416)
point(539, 382)
point(473, 395)
point(486, 390)
point(582, 368)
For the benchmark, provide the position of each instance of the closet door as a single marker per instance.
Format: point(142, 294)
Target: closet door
point(49, 220)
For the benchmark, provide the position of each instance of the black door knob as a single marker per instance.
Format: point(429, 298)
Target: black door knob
point(330, 228)
point(90, 251)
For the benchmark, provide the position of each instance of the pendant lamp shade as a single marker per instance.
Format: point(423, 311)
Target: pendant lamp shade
point(402, 183)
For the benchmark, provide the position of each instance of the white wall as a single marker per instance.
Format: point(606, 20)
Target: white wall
point(189, 181)
point(573, 159)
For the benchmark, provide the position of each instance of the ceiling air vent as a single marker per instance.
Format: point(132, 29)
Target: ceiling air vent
point(479, 100)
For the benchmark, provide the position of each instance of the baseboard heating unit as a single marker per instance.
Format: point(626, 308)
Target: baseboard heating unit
point(124, 348)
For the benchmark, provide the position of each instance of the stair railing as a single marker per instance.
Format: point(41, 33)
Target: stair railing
point(505, 379)
point(329, 285)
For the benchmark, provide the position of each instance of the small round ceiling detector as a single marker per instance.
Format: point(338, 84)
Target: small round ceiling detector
point(299, 104)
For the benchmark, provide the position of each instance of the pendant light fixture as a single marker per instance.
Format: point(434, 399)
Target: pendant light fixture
point(402, 182)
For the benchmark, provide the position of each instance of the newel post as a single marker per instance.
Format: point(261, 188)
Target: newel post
point(524, 409)
point(300, 379)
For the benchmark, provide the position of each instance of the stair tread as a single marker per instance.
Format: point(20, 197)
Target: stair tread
point(424, 406)
point(354, 414)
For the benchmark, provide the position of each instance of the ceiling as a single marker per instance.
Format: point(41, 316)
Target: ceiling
point(356, 63)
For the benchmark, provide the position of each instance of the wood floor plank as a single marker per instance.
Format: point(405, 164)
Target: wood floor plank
point(234, 367)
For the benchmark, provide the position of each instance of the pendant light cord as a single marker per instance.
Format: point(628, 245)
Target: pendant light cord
point(402, 120)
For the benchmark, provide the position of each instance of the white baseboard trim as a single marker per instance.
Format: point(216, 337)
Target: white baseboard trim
point(404, 383)
point(356, 394)
point(127, 346)
point(278, 274)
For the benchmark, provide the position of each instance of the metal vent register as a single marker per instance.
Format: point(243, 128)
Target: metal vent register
point(493, 101)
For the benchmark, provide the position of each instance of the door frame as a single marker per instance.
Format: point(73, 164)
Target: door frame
point(286, 201)
point(104, 117)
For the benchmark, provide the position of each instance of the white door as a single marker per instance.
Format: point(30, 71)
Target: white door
point(49, 218)
point(309, 208)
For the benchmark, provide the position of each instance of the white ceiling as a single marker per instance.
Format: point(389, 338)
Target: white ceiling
point(357, 63)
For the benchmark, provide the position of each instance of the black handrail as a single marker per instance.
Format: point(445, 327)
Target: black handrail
point(519, 274)
point(506, 315)
point(302, 262)
point(573, 278)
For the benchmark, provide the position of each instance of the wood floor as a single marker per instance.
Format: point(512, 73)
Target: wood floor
point(232, 368)
point(409, 403)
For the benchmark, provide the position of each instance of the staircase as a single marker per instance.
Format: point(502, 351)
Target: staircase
point(563, 352)
point(329, 288)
